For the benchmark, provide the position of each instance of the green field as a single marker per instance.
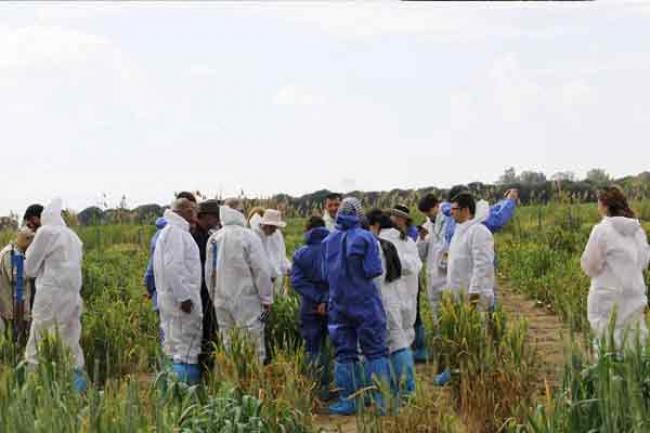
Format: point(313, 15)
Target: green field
point(497, 363)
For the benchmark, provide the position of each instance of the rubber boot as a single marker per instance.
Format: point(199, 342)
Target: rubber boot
point(79, 381)
point(346, 380)
point(404, 368)
point(420, 352)
point(188, 373)
point(378, 373)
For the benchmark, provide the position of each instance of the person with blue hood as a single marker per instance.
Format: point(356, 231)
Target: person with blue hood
point(356, 313)
point(308, 281)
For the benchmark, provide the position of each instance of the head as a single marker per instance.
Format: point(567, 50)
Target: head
point(24, 238)
point(401, 217)
point(378, 220)
point(32, 218)
point(314, 222)
point(208, 215)
point(271, 221)
point(236, 204)
point(613, 203)
point(428, 206)
point(456, 190)
point(257, 210)
point(332, 204)
point(186, 209)
point(463, 207)
point(187, 195)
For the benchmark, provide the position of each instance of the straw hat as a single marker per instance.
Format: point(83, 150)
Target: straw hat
point(273, 217)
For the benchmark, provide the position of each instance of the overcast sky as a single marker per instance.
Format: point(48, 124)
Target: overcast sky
point(147, 99)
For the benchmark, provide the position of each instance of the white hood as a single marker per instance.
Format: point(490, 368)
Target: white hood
point(625, 226)
point(51, 215)
point(231, 217)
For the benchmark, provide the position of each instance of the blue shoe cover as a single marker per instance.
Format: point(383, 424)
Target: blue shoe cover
point(79, 381)
point(378, 370)
point(188, 373)
point(404, 368)
point(346, 380)
point(443, 378)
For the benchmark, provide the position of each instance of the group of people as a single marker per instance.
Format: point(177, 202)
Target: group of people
point(215, 269)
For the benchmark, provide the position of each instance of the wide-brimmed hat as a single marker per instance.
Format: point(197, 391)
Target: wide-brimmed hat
point(209, 207)
point(273, 217)
point(401, 211)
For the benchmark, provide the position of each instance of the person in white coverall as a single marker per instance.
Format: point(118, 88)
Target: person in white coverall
point(177, 271)
point(268, 228)
point(54, 259)
point(471, 253)
point(398, 296)
point(238, 277)
point(615, 257)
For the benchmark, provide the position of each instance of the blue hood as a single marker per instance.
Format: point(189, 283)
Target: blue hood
point(347, 222)
point(161, 223)
point(316, 236)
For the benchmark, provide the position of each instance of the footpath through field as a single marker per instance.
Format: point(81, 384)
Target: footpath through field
point(546, 333)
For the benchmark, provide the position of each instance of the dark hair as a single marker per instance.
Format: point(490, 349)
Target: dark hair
point(378, 216)
point(427, 203)
point(456, 190)
point(465, 200)
point(334, 196)
point(186, 195)
point(613, 198)
point(314, 222)
point(34, 210)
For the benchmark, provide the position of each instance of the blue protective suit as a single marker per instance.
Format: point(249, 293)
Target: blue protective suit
point(356, 312)
point(412, 232)
point(500, 214)
point(149, 279)
point(308, 280)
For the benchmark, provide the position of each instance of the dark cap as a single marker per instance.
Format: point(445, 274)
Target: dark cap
point(209, 207)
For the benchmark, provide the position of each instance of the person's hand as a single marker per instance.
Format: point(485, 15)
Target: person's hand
point(321, 309)
point(267, 307)
point(513, 194)
point(423, 233)
point(187, 306)
point(147, 295)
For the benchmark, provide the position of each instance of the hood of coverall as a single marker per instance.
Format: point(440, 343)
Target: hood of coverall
point(625, 226)
point(231, 217)
point(316, 235)
point(51, 215)
point(161, 223)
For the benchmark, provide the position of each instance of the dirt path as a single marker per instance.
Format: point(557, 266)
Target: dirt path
point(546, 332)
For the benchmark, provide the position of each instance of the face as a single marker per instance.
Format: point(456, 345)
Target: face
point(269, 230)
point(33, 223)
point(208, 221)
point(602, 209)
point(460, 215)
point(375, 228)
point(332, 206)
point(400, 222)
point(189, 213)
point(433, 212)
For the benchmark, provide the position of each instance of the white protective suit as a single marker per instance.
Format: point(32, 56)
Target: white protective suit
point(177, 270)
point(276, 252)
point(615, 257)
point(238, 277)
point(54, 259)
point(471, 259)
point(433, 252)
point(330, 223)
point(400, 297)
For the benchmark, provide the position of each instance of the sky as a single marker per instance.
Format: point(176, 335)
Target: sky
point(145, 99)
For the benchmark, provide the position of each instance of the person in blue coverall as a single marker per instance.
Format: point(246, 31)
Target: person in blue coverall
point(308, 281)
point(356, 313)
